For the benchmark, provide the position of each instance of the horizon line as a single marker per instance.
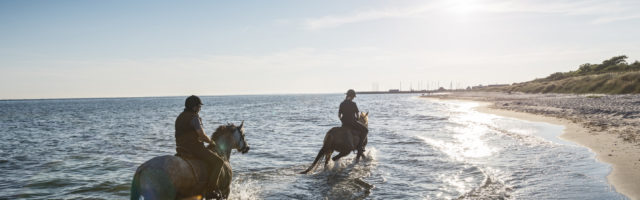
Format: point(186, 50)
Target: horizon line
point(207, 95)
point(124, 97)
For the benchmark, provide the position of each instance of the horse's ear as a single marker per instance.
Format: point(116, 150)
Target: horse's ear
point(366, 114)
point(241, 124)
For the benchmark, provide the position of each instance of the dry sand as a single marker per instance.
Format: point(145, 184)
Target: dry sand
point(609, 146)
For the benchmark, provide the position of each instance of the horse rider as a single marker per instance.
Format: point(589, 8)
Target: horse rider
point(189, 137)
point(348, 114)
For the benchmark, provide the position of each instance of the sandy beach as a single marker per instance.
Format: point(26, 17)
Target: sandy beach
point(608, 125)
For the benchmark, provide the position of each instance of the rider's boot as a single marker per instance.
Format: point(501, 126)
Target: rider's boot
point(350, 139)
point(211, 190)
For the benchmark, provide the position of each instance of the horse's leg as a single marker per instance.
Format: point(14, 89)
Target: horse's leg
point(225, 192)
point(340, 155)
point(361, 150)
point(327, 157)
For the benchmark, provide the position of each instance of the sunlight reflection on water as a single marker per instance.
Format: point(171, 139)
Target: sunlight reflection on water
point(418, 149)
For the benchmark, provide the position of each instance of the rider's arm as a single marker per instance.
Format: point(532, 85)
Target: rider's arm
point(197, 124)
point(357, 111)
point(203, 136)
point(356, 106)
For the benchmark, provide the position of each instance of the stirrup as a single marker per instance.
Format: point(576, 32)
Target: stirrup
point(213, 195)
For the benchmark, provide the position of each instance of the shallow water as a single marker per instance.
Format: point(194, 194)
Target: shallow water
point(418, 149)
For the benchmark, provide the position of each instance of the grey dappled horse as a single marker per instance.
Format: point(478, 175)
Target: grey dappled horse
point(173, 177)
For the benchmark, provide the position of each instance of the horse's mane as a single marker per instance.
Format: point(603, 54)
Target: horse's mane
point(364, 117)
point(223, 129)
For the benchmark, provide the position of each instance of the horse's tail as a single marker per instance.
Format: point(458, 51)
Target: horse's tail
point(318, 157)
point(135, 186)
point(326, 145)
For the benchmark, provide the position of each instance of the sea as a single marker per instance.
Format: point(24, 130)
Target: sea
point(419, 148)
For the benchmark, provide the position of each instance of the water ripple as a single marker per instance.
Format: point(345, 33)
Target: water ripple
point(418, 149)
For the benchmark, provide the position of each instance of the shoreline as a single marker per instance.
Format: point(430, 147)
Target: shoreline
point(624, 157)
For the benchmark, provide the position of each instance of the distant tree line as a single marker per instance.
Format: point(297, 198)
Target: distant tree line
point(614, 64)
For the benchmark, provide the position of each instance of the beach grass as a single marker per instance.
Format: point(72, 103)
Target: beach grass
point(612, 76)
point(609, 83)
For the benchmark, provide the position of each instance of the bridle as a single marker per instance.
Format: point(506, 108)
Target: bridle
point(238, 135)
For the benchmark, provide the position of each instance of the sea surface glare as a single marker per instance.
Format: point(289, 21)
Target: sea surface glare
point(418, 149)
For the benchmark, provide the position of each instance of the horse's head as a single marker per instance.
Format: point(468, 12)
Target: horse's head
point(364, 118)
point(234, 134)
point(238, 135)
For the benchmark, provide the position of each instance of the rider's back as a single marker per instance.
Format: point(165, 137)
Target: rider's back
point(348, 109)
point(186, 136)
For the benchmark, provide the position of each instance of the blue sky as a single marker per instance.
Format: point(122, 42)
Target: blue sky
point(67, 49)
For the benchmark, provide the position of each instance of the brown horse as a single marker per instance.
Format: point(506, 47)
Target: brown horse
point(173, 177)
point(337, 139)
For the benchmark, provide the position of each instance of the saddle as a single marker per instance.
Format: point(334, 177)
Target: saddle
point(200, 171)
point(353, 132)
point(198, 167)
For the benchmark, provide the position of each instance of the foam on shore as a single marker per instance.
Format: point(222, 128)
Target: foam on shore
point(624, 157)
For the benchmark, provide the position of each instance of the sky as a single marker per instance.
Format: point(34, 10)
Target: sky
point(77, 49)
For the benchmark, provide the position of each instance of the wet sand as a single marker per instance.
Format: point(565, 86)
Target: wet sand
point(608, 125)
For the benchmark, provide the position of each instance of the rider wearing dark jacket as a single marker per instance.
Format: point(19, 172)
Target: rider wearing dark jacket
point(348, 113)
point(190, 134)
